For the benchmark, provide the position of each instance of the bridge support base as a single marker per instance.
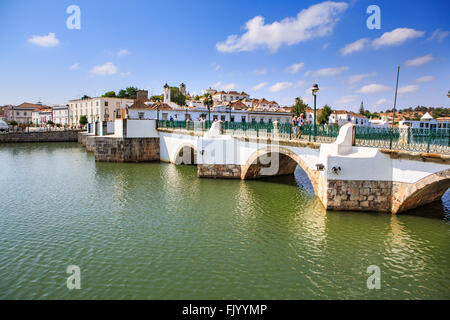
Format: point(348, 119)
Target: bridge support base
point(229, 171)
point(111, 149)
point(359, 195)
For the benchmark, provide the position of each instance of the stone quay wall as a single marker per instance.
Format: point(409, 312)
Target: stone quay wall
point(114, 149)
point(228, 171)
point(42, 136)
point(359, 195)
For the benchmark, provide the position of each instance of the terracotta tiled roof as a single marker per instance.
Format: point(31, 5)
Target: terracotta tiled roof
point(141, 105)
point(238, 105)
point(31, 106)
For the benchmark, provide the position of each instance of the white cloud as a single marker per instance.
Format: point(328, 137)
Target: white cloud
point(259, 86)
point(125, 74)
point(425, 79)
point(316, 21)
point(217, 68)
point(408, 89)
point(381, 101)
point(419, 61)
point(325, 45)
point(295, 67)
point(374, 88)
point(299, 83)
point(329, 71)
point(123, 52)
point(396, 37)
point(106, 69)
point(345, 100)
point(358, 77)
point(74, 66)
point(216, 85)
point(260, 72)
point(439, 35)
point(49, 40)
point(358, 45)
point(229, 86)
point(280, 86)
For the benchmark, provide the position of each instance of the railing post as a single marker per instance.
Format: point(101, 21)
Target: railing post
point(429, 140)
point(390, 137)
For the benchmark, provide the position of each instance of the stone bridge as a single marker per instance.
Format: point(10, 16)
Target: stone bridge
point(344, 177)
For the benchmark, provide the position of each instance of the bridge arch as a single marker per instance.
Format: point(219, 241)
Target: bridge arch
point(427, 190)
point(186, 154)
point(259, 165)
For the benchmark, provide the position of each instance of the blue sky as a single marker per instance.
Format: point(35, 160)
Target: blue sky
point(279, 49)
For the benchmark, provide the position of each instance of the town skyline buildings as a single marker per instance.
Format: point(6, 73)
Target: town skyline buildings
point(119, 45)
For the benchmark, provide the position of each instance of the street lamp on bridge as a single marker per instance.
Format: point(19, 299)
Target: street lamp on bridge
point(297, 104)
point(209, 104)
point(315, 89)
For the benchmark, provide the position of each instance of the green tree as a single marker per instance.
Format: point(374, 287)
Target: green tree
point(85, 97)
point(109, 94)
point(128, 93)
point(361, 108)
point(326, 112)
point(177, 97)
point(83, 121)
point(156, 98)
point(13, 124)
point(299, 106)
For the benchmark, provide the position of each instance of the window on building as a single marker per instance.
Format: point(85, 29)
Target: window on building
point(232, 119)
point(426, 125)
point(106, 103)
point(421, 125)
point(17, 113)
point(223, 118)
point(270, 120)
point(253, 120)
point(165, 116)
point(242, 119)
point(141, 115)
point(261, 120)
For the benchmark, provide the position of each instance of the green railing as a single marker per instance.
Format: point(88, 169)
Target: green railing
point(409, 139)
point(325, 133)
point(419, 140)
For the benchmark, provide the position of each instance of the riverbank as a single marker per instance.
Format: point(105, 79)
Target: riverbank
point(43, 136)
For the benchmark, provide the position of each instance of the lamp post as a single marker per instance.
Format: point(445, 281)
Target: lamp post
point(208, 104)
point(297, 103)
point(315, 89)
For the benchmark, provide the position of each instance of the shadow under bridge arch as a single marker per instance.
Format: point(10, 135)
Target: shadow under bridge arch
point(277, 161)
point(186, 154)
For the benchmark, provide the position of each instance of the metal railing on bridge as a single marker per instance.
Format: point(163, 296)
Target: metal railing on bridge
point(283, 131)
point(408, 139)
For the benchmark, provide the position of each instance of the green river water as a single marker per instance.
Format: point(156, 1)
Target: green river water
point(156, 231)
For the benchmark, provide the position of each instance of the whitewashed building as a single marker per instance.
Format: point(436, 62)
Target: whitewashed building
point(427, 122)
point(96, 109)
point(61, 115)
point(341, 117)
point(41, 116)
